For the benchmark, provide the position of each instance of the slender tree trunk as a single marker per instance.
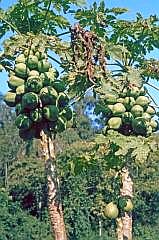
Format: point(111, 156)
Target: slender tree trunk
point(54, 201)
point(124, 224)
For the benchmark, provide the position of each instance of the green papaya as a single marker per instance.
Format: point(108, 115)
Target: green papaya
point(20, 59)
point(127, 117)
point(40, 55)
point(33, 73)
point(142, 101)
point(19, 109)
point(36, 115)
point(124, 93)
point(142, 91)
point(23, 122)
point(47, 78)
point(114, 123)
point(21, 70)
point(120, 100)
point(146, 116)
point(43, 66)
point(48, 95)
point(32, 62)
point(137, 110)
point(129, 102)
point(118, 109)
point(154, 125)
point(149, 130)
point(67, 113)
point(151, 110)
point(10, 99)
point(20, 90)
point(33, 84)
point(134, 91)
point(110, 98)
point(59, 86)
point(15, 81)
point(61, 125)
point(51, 112)
point(30, 100)
point(110, 106)
point(28, 52)
point(139, 126)
point(63, 100)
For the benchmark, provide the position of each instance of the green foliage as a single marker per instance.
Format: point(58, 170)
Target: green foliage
point(17, 224)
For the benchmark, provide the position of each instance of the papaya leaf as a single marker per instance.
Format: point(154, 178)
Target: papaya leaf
point(117, 51)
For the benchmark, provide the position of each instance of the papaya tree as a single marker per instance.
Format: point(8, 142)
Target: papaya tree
point(40, 97)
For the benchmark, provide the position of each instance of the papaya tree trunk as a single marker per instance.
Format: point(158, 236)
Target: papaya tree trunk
point(124, 224)
point(54, 200)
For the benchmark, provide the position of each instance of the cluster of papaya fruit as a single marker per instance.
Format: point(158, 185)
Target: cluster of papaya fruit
point(38, 97)
point(128, 112)
point(111, 210)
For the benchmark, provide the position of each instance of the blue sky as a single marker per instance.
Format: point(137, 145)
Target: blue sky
point(145, 7)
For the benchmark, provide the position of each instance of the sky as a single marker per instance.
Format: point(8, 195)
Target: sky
point(145, 7)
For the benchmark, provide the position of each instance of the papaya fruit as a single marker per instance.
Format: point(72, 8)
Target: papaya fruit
point(36, 115)
point(32, 62)
point(120, 100)
point(40, 55)
point(146, 116)
point(47, 78)
point(110, 98)
point(137, 110)
point(134, 92)
point(43, 66)
point(59, 86)
point(23, 122)
point(63, 100)
point(33, 73)
point(19, 109)
point(33, 84)
point(20, 90)
point(110, 106)
point(142, 101)
point(67, 113)
point(15, 81)
point(154, 125)
point(114, 123)
point(127, 117)
point(129, 102)
point(111, 210)
point(129, 206)
point(30, 100)
point(142, 91)
point(118, 109)
point(10, 99)
point(50, 112)
point(28, 52)
point(21, 70)
point(61, 125)
point(20, 59)
point(48, 95)
point(139, 126)
point(151, 110)
point(124, 92)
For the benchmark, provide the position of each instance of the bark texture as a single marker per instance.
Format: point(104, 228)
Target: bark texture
point(54, 200)
point(124, 224)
